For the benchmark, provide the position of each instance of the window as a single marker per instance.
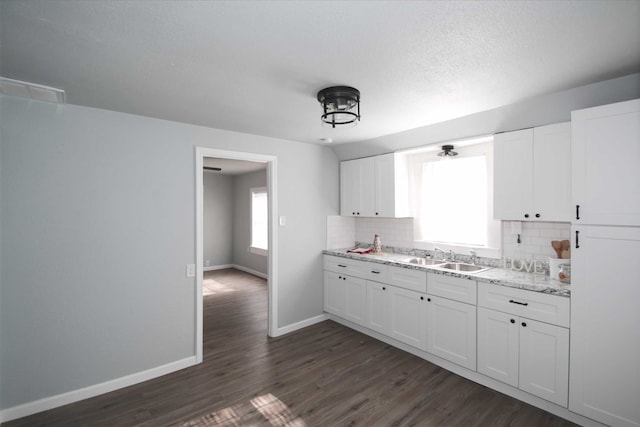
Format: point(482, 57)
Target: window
point(453, 199)
point(259, 221)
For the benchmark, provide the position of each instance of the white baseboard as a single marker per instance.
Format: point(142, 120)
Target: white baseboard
point(47, 403)
point(250, 271)
point(217, 267)
point(237, 267)
point(299, 325)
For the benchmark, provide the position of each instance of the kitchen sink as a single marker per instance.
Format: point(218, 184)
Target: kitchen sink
point(461, 266)
point(426, 261)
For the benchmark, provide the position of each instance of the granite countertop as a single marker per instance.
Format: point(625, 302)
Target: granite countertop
point(498, 276)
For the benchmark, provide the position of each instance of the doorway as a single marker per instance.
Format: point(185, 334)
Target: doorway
point(201, 154)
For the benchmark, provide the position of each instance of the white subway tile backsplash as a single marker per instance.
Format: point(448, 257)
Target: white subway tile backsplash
point(535, 238)
point(341, 232)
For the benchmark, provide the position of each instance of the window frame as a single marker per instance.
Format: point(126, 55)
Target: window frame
point(465, 148)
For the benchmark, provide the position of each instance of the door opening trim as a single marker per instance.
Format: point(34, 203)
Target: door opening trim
point(272, 274)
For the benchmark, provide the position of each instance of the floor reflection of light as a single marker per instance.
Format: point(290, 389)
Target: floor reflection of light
point(270, 407)
point(211, 287)
point(276, 412)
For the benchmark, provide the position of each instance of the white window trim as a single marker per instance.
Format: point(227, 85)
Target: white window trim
point(253, 249)
point(494, 229)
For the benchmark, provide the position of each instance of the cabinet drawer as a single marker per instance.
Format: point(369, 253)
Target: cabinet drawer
point(414, 280)
point(347, 266)
point(377, 272)
point(533, 305)
point(455, 288)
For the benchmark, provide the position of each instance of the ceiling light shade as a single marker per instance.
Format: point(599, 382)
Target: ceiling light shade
point(447, 151)
point(340, 105)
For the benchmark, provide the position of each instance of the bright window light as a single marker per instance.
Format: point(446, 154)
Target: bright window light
point(259, 221)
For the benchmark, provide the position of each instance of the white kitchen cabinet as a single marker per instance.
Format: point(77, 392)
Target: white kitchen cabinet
point(335, 294)
point(408, 317)
point(345, 296)
point(605, 324)
point(524, 353)
point(451, 330)
point(532, 174)
point(375, 187)
point(605, 173)
point(357, 188)
point(378, 307)
point(356, 310)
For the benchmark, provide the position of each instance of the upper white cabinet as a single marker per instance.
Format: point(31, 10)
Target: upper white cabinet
point(374, 187)
point(532, 174)
point(605, 164)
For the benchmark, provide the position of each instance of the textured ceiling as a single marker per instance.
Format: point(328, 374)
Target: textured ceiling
point(256, 67)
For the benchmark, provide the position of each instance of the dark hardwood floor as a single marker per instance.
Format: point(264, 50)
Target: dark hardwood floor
point(324, 375)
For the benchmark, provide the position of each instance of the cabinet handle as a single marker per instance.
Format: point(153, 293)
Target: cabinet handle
point(577, 211)
point(375, 272)
point(421, 298)
point(537, 215)
point(513, 320)
point(384, 289)
point(429, 299)
point(353, 213)
point(526, 215)
point(341, 265)
point(344, 278)
point(577, 244)
point(518, 302)
point(358, 213)
point(376, 213)
point(524, 325)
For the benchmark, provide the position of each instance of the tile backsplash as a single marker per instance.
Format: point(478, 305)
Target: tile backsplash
point(535, 237)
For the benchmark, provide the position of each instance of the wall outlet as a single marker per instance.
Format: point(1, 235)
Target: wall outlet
point(207, 262)
point(191, 270)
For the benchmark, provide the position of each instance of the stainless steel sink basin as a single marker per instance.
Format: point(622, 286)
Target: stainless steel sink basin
point(461, 266)
point(426, 261)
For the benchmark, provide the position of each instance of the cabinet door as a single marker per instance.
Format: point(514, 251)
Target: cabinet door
point(451, 331)
point(544, 360)
point(357, 194)
point(552, 172)
point(356, 300)
point(408, 317)
point(378, 307)
point(385, 194)
point(498, 345)
point(335, 293)
point(605, 325)
point(513, 175)
point(605, 148)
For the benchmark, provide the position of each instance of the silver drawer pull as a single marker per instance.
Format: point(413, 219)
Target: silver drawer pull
point(343, 266)
point(375, 272)
point(518, 302)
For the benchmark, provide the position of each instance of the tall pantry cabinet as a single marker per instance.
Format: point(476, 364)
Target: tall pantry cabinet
point(605, 293)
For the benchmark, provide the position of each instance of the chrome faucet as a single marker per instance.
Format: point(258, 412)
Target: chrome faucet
point(473, 257)
point(452, 255)
point(436, 249)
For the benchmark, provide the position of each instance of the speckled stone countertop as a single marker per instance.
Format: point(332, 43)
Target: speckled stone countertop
point(497, 276)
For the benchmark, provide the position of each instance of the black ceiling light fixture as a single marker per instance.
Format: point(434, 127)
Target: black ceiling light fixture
point(340, 105)
point(447, 151)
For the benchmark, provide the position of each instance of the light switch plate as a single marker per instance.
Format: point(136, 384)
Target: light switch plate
point(191, 270)
point(282, 221)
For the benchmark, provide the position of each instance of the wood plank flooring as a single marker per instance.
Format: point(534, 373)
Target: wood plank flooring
point(324, 375)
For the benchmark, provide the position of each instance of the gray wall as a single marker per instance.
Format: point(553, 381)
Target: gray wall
point(218, 218)
point(98, 221)
point(538, 111)
point(242, 221)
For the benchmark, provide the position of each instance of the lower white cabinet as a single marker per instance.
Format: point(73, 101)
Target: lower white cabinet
point(524, 353)
point(378, 307)
point(451, 330)
point(345, 296)
point(408, 317)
